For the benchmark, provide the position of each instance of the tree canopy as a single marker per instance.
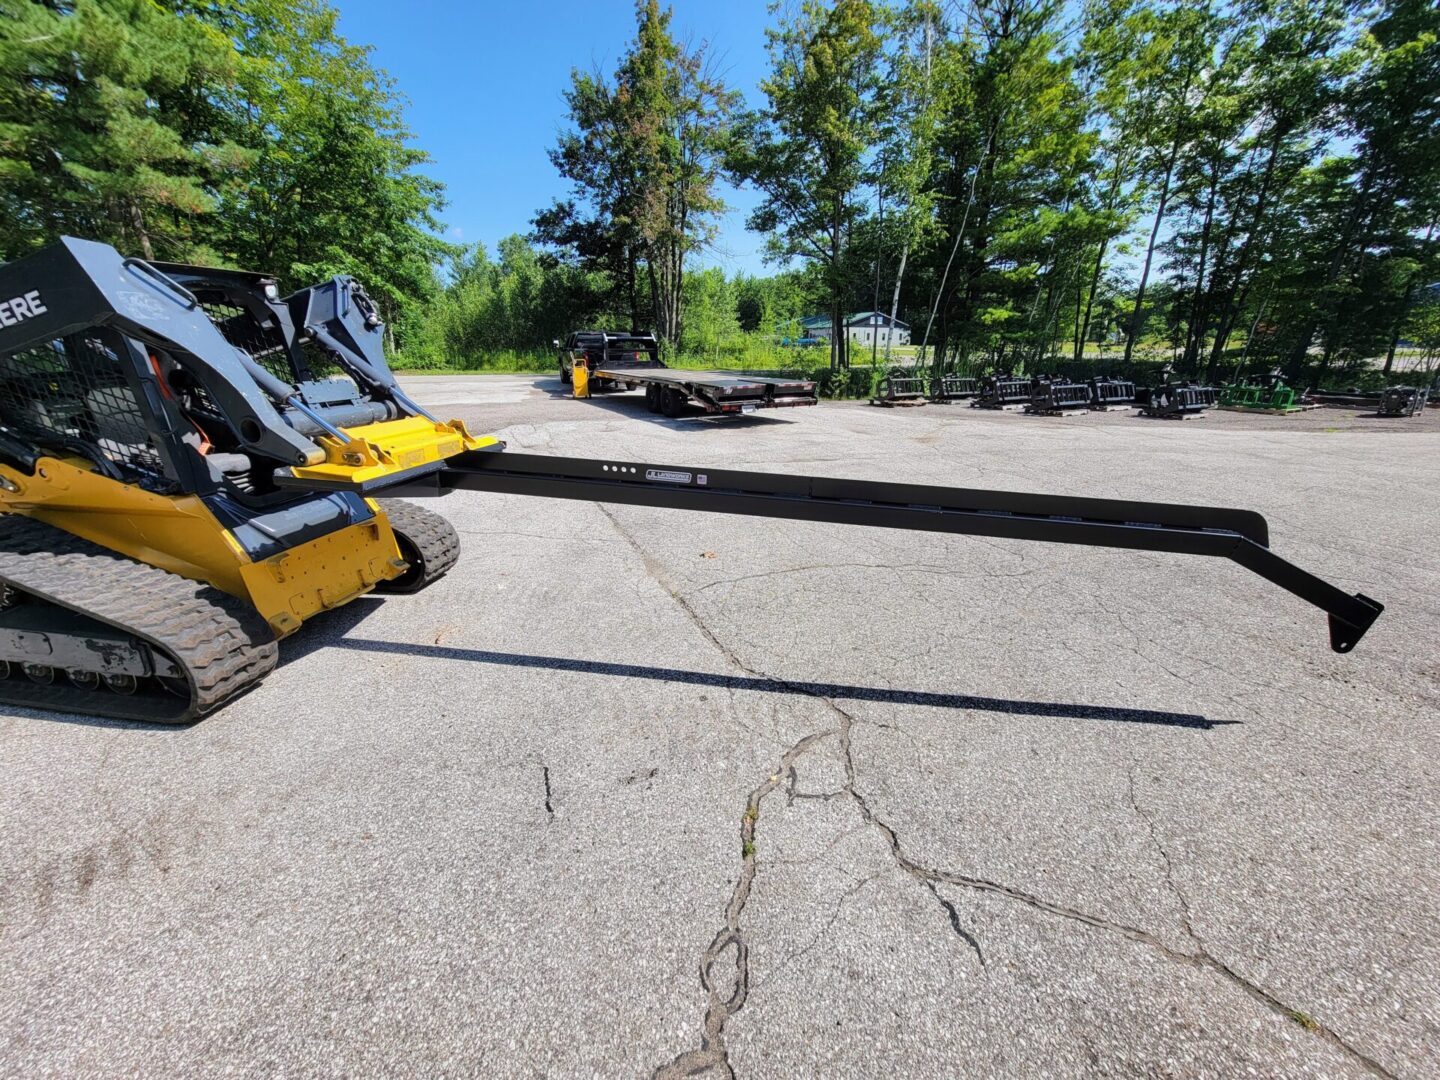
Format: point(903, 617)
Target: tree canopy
point(246, 132)
point(1027, 183)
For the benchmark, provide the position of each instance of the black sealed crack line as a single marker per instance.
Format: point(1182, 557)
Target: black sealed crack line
point(955, 925)
point(712, 1053)
point(549, 804)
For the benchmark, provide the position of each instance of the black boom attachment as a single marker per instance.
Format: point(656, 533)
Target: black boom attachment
point(1239, 535)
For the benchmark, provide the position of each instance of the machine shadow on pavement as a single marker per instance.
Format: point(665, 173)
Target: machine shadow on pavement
point(332, 631)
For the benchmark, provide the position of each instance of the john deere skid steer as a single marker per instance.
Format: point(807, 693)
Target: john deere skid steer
point(190, 465)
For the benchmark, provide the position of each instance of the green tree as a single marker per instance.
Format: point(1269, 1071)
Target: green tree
point(95, 135)
point(213, 130)
point(1013, 157)
point(642, 155)
point(1123, 52)
point(808, 150)
point(1197, 40)
point(712, 302)
point(675, 112)
point(515, 303)
point(334, 186)
point(908, 127)
point(1292, 83)
point(597, 230)
point(1387, 197)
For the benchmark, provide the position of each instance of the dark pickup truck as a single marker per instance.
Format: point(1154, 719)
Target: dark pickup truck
point(606, 349)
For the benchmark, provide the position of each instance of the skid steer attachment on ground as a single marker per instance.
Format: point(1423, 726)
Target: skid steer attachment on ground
point(1108, 393)
point(1239, 535)
point(1002, 391)
point(953, 388)
point(1052, 395)
point(900, 387)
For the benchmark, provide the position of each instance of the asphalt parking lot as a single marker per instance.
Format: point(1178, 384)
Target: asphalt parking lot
point(636, 791)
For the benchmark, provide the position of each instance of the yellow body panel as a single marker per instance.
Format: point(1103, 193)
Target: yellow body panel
point(375, 451)
point(324, 573)
point(179, 534)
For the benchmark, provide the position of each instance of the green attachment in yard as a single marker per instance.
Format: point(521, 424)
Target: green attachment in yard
point(1261, 393)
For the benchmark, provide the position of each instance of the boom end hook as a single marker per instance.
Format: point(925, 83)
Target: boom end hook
point(1345, 635)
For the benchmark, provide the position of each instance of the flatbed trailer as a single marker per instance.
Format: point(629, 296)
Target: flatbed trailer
point(668, 391)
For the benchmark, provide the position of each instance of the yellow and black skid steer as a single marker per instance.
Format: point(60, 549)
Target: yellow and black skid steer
point(191, 466)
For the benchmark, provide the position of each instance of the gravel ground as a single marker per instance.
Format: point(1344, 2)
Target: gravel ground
point(636, 791)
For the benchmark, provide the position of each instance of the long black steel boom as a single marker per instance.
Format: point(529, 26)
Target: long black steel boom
point(1240, 535)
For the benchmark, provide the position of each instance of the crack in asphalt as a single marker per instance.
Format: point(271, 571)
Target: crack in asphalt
point(830, 922)
point(792, 779)
point(1155, 840)
point(713, 1053)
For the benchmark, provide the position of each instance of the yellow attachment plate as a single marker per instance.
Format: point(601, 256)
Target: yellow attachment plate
point(379, 454)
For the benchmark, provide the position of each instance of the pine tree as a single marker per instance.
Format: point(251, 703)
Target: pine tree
point(95, 136)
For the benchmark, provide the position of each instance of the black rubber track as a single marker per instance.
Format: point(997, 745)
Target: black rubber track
point(428, 543)
point(220, 643)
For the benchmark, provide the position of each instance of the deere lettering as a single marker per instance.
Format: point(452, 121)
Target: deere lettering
point(17, 309)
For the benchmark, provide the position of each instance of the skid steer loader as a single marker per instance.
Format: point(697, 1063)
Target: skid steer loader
point(190, 464)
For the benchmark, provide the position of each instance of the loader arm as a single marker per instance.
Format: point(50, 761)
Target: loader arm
point(1239, 535)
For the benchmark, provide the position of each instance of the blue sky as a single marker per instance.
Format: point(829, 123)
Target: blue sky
point(485, 81)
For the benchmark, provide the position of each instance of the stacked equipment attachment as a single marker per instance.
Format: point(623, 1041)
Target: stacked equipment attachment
point(1003, 391)
point(1108, 393)
point(900, 389)
point(953, 388)
point(1051, 395)
point(1171, 400)
point(1403, 400)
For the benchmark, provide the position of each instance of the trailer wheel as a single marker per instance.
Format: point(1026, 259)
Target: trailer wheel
point(672, 402)
point(652, 397)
